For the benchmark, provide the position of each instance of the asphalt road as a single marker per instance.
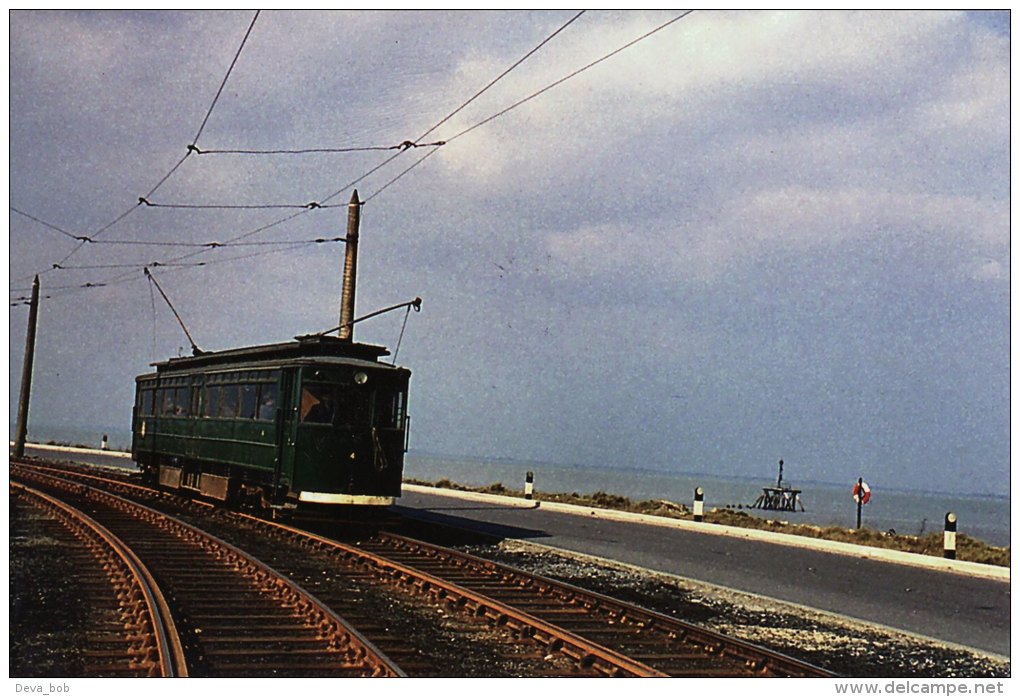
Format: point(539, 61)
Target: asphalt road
point(947, 606)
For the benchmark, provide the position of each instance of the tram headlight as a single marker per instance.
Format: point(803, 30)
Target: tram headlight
point(360, 378)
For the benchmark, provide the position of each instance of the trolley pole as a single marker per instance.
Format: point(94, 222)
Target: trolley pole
point(21, 430)
point(350, 269)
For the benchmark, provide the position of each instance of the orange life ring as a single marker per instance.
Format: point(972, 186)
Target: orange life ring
point(862, 493)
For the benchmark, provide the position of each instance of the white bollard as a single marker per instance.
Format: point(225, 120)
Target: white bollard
point(699, 504)
point(105, 444)
point(529, 485)
point(949, 537)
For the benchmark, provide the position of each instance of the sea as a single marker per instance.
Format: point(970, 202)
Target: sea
point(906, 512)
point(825, 503)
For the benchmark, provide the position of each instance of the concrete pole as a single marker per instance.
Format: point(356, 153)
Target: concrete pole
point(350, 269)
point(21, 430)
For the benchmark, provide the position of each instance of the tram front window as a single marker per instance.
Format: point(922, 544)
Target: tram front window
point(335, 404)
point(318, 404)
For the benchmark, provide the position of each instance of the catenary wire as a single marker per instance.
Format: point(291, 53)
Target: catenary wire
point(500, 76)
point(45, 224)
point(174, 169)
point(193, 148)
point(307, 207)
point(194, 141)
point(403, 147)
point(571, 75)
point(293, 244)
point(529, 98)
point(406, 145)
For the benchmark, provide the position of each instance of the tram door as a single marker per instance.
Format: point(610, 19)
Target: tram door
point(286, 424)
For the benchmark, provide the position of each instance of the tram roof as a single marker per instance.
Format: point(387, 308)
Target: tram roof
point(302, 347)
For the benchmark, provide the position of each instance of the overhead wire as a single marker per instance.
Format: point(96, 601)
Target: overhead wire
point(500, 76)
point(293, 244)
point(470, 100)
point(45, 224)
point(571, 75)
point(403, 147)
point(407, 145)
point(174, 169)
point(233, 206)
point(136, 272)
point(194, 141)
point(529, 98)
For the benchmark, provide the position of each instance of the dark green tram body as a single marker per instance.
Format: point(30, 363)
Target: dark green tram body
point(318, 420)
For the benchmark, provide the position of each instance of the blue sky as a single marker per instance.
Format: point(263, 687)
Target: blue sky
point(752, 235)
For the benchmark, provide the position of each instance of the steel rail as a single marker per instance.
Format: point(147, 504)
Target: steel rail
point(587, 653)
point(169, 651)
point(758, 659)
point(342, 635)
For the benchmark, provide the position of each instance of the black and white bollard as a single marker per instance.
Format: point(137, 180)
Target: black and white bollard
point(949, 537)
point(529, 485)
point(105, 444)
point(699, 504)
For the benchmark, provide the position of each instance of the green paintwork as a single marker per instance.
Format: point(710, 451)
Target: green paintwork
point(363, 458)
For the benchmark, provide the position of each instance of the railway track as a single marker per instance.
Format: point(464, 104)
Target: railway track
point(667, 645)
point(563, 630)
point(133, 633)
point(233, 615)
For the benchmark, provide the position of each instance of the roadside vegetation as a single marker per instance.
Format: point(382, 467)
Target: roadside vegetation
point(62, 444)
point(967, 548)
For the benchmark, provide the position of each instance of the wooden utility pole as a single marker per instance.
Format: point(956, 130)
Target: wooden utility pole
point(350, 269)
point(21, 430)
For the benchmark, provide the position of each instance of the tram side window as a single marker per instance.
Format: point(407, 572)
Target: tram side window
point(385, 409)
point(249, 400)
point(197, 408)
point(211, 403)
point(145, 404)
point(390, 410)
point(181, 401)
point(267, 401)
point(166, 402)
point(229, 401)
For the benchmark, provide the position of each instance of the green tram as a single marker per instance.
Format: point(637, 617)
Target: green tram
point(316, 421)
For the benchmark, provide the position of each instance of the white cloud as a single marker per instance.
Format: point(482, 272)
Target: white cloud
point(590, 228)
point(987, 270)
point(815, 92)
point(795, 219)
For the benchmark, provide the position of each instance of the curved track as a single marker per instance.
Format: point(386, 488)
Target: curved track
point(143, 639)
point(668, 645)
point(237, 616)
point(596, 634)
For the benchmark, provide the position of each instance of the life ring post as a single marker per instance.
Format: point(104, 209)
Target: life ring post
point(861, 494)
